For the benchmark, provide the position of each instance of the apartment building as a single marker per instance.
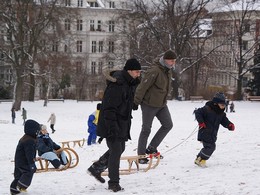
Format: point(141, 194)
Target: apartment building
point(232, 44)
point(93, 39)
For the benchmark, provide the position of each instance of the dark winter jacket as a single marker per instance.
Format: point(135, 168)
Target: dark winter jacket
point(26, 149)
point(155, 86)
point(45, 144)
point(116, 110)
point(212, 116)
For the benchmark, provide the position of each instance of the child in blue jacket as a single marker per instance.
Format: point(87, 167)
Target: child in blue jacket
point(92, 125)
point(209, 118)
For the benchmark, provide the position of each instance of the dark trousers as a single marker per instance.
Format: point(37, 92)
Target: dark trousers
point(116, 148)
point(111, 160)
point(148, 114)
point(22, 178)
point(207, 150)
point(52, 127)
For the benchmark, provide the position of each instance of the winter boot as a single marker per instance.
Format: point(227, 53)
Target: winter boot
point(96, 173)
point(200, 162)
point(152, 150)
point(115, 187)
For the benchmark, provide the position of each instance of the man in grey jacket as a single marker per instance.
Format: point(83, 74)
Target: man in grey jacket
point(152, 94)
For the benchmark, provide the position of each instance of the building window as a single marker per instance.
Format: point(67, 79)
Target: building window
point(111, 46)
point(67, 2)
point(80, 3)
point(100, 65)
point(93, 68)
point(245, 45)
point(92, 25)
point(111, 26)
point(93, 4)
point(79, 46)
point(124, 25)
point(55, 46)
point(112, 4)
point(65, 48)
point(79, 67)
point(99, 25)
point(67, 24)
point(110, 64)
point(247, 27)
point(79, 25)
point(94, 47)
point(100, 46)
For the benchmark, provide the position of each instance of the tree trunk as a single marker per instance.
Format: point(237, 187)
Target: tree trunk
point(32, 88)
point(18, 96)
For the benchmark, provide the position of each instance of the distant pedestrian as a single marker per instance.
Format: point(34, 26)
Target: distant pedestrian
point(24, 115)
point(13, 115)
point(52, 120)
point(232, 107)
point(227, 104)
point(24, 160)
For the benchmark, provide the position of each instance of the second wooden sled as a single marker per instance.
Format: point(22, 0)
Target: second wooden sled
point(154, 160)
point(73, 160)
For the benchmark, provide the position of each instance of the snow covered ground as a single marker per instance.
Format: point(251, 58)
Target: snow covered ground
point(233, 169)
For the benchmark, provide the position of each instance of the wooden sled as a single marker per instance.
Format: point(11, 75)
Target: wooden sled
point(154, 160)
point(80, 143)
point(73, 160)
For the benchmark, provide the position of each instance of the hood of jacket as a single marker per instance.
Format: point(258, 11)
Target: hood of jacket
point(31, 128)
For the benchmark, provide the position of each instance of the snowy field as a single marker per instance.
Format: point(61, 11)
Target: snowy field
point(233, 169)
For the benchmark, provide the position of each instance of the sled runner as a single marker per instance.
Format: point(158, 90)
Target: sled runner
point(154, 160)
point(80, 143)
point(73, 160)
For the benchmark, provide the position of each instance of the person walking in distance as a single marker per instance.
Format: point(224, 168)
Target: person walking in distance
point(24, 115)
point(152, 94)
point(52, 121)
point(115, 121)
point(13, 115)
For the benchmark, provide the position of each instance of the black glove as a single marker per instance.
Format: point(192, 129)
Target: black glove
point(100, 140)
point(135, 106)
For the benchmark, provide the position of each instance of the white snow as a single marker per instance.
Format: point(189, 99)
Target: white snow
point(233, 169)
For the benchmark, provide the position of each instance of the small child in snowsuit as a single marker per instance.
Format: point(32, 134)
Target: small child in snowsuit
point(92, 125)
point(209, 118)
point(49, 150)
point(25, 158)
point(232, 107)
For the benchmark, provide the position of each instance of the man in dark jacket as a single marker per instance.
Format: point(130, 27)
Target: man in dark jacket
point(115, 121)
point(25, 158)
point(152, 94)
point(209, 118)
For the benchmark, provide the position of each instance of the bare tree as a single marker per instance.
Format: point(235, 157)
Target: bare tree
point(25, 25)
point(156, 26)
point(237, 24)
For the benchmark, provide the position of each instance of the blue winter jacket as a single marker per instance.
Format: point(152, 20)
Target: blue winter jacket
point(45, 144)
point(212, 116)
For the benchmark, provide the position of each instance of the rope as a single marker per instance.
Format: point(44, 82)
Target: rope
point(191, 134)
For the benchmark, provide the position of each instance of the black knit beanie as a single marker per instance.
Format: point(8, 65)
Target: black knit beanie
point(169, 55)
point(132, 64)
